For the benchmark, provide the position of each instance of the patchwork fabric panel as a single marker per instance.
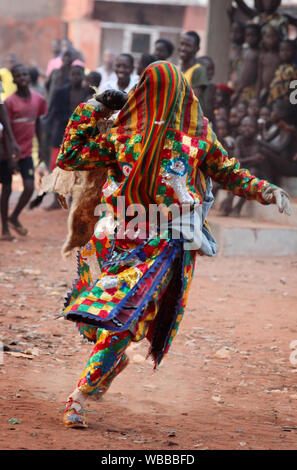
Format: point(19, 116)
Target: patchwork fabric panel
point(181, 156)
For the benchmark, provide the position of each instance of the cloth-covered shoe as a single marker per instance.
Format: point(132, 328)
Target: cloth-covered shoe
point(74, 415)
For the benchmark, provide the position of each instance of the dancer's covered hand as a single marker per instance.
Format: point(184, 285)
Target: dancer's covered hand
point(278, 196)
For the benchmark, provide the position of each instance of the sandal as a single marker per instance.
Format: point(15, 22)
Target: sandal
point(74, 416)
point(18, 228)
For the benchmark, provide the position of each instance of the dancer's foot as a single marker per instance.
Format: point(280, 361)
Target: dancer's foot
point(74, 415)
point(17, 227)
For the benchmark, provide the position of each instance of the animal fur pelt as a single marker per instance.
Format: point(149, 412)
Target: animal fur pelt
point(84, 188)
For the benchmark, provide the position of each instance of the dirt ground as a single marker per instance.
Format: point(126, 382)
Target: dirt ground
point(228, 382)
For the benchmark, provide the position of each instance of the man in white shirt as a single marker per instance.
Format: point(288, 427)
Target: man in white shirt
point(125, 80)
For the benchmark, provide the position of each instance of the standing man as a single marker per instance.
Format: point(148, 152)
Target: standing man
point(25, 107)
point(65, 100)
point(195, 73)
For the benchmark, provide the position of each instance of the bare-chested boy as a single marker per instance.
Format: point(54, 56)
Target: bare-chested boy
point(247, 79)
point(269, 61)
point(237, 37)
point(247, 151)
point(281, 146)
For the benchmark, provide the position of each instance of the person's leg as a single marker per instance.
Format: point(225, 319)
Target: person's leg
point(6, 180)
point(5, 194)
point(27, 171)
point(107, 360)
point(106, 355)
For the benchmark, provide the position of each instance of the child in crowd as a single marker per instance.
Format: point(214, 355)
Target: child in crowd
point(223, 133)
point(269, 62)
point(222, 102)
point(223, 96)
point(237, 37)
point(234, 122)
point(269, 16)
point(220, 113)
point(247, 151)
point(163, 49)
point(253, 108)
point(92, 79)
point(285, 73)
point(266, 129)
point(247, 78)
point(281, 146)
point(24, 108)
point(242, 108)
point(265, 14)
point(143, 62)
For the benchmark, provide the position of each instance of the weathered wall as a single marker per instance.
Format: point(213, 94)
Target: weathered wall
point(86, 37)
point(76, 9)
point(30, 41)
point(218, 37)
point(30, 9)
point(27, 28)
point(140, 14)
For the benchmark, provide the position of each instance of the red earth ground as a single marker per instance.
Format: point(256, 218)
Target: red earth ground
point(228, 382)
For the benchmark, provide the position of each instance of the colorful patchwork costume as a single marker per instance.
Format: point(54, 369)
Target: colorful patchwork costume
point(159, 152)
